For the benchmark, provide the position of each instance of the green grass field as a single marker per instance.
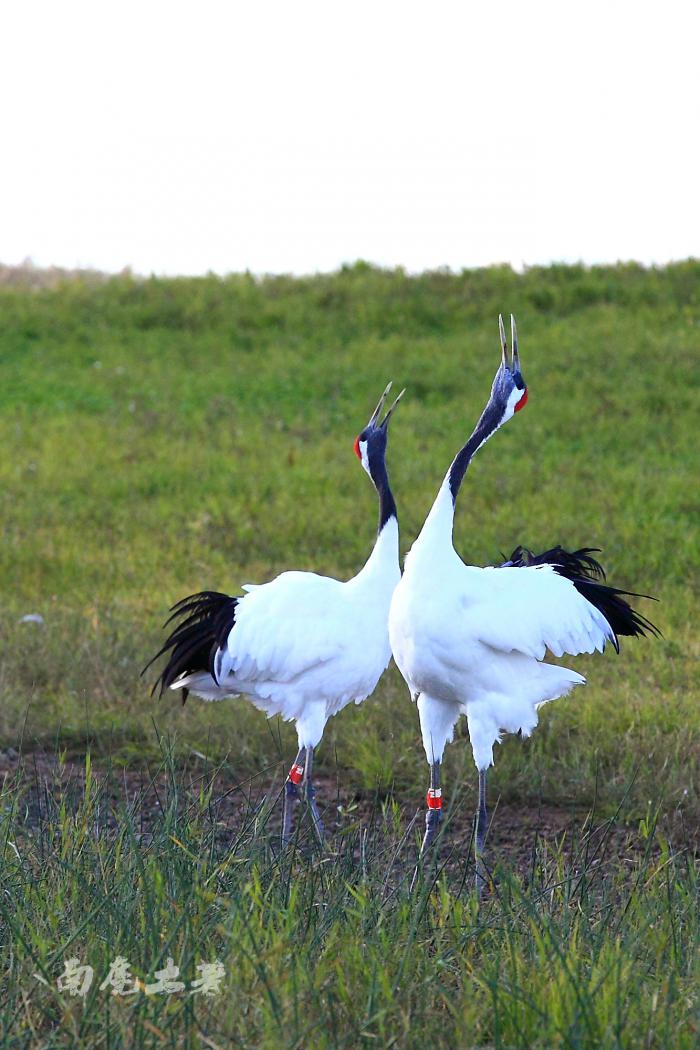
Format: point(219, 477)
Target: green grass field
point(163, 436)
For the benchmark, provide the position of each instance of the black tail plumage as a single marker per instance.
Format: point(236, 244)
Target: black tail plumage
point(587, 574)
point(206, 620)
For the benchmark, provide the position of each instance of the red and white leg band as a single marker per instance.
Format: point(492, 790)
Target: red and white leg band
point(296, 774)
point(434, 798)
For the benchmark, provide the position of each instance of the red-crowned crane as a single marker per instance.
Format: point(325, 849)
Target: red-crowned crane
point(301, 646)
point(471, 641)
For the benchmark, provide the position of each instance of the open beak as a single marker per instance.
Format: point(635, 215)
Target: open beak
point(380, 407)
point(514, 364)
point(375, 415)
point(386, 417)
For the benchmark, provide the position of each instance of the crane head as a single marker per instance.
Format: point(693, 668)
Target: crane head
point(370, 445)
point(509, 392)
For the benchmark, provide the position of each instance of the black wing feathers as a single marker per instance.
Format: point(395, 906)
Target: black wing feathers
point(205, 621)
point(586, 575)
point(567, 563)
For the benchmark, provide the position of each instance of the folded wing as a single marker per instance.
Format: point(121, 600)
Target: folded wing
point(285, 628)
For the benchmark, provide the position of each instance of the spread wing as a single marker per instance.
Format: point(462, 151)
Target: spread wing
point(533, 609)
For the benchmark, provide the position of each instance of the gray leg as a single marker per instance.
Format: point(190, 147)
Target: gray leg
point(433, 815)
point(291, 796)
point(310, 793)
point(480, 837)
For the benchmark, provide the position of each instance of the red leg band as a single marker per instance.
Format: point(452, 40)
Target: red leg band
point(296, 774)
point(434, 798)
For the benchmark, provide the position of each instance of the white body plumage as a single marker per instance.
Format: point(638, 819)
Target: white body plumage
point(470, 640)
point(304, 646)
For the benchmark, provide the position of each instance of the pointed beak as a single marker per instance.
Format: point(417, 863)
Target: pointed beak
point(386, 417)
point(513, 365)
point(504, 342)
point(375, 415)
point(514, 344)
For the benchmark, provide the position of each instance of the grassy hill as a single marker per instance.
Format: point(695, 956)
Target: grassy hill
point(163, 436)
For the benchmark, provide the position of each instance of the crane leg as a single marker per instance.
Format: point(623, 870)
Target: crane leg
point(291, 795)
point(480, 836)
point(310, 793)
point(433, 815)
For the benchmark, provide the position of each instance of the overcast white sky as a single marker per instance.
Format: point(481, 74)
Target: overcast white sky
point(186, 137)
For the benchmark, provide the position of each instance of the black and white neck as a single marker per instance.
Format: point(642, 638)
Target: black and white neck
point(371, 453)
point(491, 419)
point(381, 570)
point(500, 407)
point(508, 396)
point(370, 449)
point(387, 505)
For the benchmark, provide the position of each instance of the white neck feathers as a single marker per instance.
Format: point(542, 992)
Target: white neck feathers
point(384, 559)
point(437, 529)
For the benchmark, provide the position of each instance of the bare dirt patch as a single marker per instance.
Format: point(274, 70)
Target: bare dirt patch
point(520, 836)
